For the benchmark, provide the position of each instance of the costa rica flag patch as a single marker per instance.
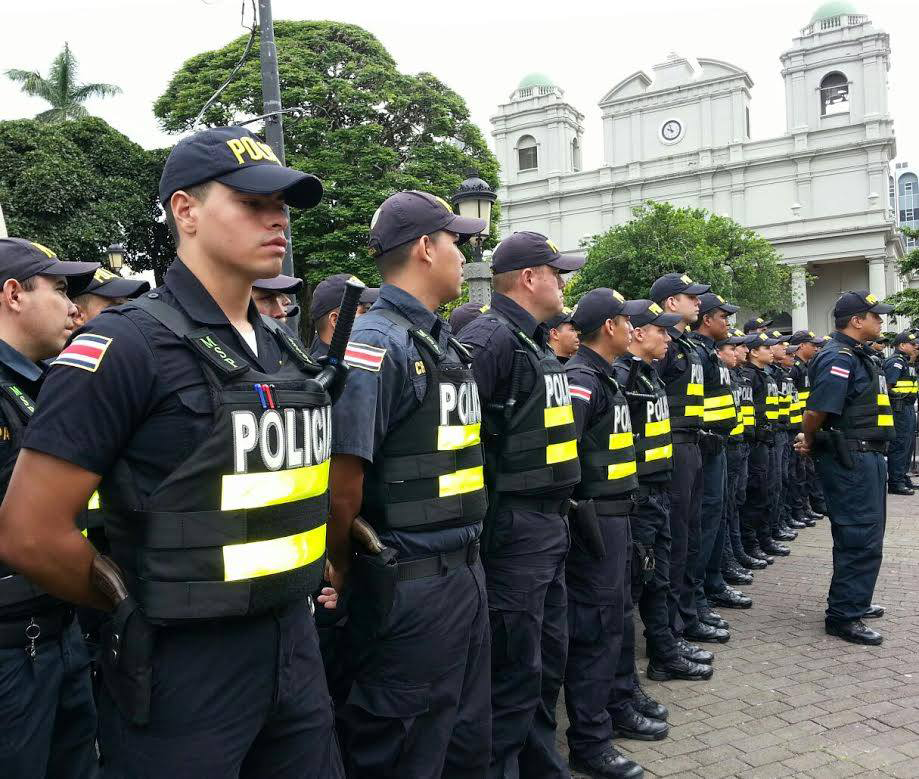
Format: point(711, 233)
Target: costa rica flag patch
point(85, 351)
point(359, 355)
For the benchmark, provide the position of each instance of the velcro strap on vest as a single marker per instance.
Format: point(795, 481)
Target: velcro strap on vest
point(614, 508)
point(455, 510)
point(431, 466)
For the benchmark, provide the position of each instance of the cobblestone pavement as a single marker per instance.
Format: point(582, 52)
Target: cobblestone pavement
point(787, 700)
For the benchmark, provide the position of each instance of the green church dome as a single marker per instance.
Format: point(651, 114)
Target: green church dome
point(535, 80)
point(834, 8)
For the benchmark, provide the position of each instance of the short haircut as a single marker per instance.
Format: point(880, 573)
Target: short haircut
point(199, 192)
point(842, 322)
point(505, 282)
point(391, 262)
point(28, 284)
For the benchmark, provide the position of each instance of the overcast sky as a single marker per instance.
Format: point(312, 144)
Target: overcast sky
point(480, 48)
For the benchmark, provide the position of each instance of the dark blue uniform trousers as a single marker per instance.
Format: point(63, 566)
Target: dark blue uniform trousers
point(47, 715)
point(736, 485)
point(778, 480)
point(685, 498)
point(898, 457)
point(757, 505)
point(708, 576)
point(857, 504)
point(527, 606)
point(231, 698)
point(597, 594)
point(420, 703)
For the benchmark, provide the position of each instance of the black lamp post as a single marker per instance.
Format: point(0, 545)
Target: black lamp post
point(473, 199)
point(115, 257)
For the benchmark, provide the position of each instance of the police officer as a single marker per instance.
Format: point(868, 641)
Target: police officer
point(208, 427)
point(532, 467)
point(49, 720)
point(681, 371)
point(407, 458)
point(756, 325)
point(902, 381)
point(848, 425)
point(598, 564)
point(324, 308)
point(878, 347)
point(791, 512)
point(780, 452)
point(272, 297)
point(463, 314)
point(105, 290)
point(806, 343)
point(719, 418)
point(670, 657)
point(563, 338)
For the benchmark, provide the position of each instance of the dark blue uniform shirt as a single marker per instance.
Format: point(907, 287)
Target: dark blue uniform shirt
point(894, 366)
point(376, 399)
point(673, 365)
point(17, 368)
point(593, 402)
point(318, 348)
point(147, 400)
point(837, 376)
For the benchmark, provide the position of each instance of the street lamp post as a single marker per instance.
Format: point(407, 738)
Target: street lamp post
point(115, 257)
point(473, 199)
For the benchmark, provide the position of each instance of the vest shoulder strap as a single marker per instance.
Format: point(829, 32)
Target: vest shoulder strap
point(24, 405)
point(216, 354)
point(528, 342)
point(422, 338)
point(290, 344)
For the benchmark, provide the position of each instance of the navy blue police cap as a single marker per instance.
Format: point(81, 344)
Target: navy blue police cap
point(528, 249)
point(464, 314)
point(859, 301)
point(653, 314)
point(289, 285)
point(21, 259)
point(110, 285)
point(755, 340)
point(672, 284)
point(239, 159)
point(709, 301)
point(328, 293)
point(601, 304)
point(564, 317)
point(906, 337)
point(804, 337)
point(754, 324)
point(408, 215)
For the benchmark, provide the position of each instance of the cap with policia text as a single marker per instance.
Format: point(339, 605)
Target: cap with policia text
point(754, 324)
point(676, 284)
point(106, 284)
point(328, 293)
point(464, 314)
point(906, 337)
point(408, 215)
point(859, 301)
point(290, 285)
point(21, 259)
point(560, 319)
point(528, 249)
point(601, 304)
point(237, 158)
point(804, 337)
point(709, 301)
point(755, 340)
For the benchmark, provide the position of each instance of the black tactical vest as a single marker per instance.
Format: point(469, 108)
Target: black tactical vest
point(607, 452)
point(239, 527)
point(650, 422)
point(907, 384)
point(719, 415)
point(430, 470)
point(765, 396)
point(743, 403)
point(868, 417)
point(538, 448)
point(685, 392)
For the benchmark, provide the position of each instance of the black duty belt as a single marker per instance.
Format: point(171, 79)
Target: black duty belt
point(857, 445)
point(21, 631)
point(537, 504)
point(653, 488)
point(614, 508)
point(439, 565)
point(685, 436)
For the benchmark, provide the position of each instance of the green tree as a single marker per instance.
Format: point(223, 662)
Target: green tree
point(906, 302)
point(364, 128)
point(61, 88)
point(739, 264)
point(79, 186)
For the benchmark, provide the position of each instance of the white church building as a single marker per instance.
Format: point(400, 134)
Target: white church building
point(818, 193)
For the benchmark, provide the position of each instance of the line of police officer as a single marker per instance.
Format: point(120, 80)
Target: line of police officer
point(487, 516)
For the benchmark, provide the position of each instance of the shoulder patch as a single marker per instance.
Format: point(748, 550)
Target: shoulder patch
point(839, 371)
point(85, 351)
point(581, 393)
point(359, 355)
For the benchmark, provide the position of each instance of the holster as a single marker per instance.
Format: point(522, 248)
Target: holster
point(834, 442)
point(643, 561)
point(373, 579)
point(126, 660)
point(710, 443)
point(587, 527)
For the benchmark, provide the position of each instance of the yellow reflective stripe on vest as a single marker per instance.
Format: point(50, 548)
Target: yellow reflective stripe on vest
point(718, 408)
point(657, 428)
point(451, 437)
point(93, 502)
point(263, 558)
point(738, 430)
point(559, 453)
point(253, 490)
point(695, 389)
point(620, 470)
point(620, 440)
point(803, 395)
point(694, 411)
point(461, 482)
point(883, 400)
point(560, 415)
point(659, 453)
point(885, 420)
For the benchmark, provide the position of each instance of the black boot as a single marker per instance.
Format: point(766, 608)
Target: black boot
point(706, 634)
point(729, 598)
point(776, 549)
point(608, 764)
point(645, 704)
point(712, 619)
point(680, 668)
point(751, 563)
point(696, 654)
point(854, 631)
point(734, 574)
point(628, 723)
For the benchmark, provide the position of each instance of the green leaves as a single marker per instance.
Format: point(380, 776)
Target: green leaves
point(365, 129)
point(740, 265)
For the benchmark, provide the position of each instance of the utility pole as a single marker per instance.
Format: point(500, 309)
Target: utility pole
point(271, 102)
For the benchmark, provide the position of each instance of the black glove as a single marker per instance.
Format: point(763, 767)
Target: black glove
point(337, 386)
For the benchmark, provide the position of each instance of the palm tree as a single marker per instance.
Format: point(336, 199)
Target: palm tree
point(61, 89)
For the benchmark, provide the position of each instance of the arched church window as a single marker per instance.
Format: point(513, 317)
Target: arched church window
point(834, 94)
point(527, 155)
point(575, 155)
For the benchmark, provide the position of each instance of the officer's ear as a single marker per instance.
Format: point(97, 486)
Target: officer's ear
point(11, 295)
point(184, 213)
point(333, 318)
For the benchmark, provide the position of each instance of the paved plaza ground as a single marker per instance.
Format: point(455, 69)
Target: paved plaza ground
point(787, 700)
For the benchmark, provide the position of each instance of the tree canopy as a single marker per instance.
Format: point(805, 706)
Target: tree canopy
point(741, 265)
point(79, 186)
point(363, 127)
point(906, 302)
point(61, 88)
